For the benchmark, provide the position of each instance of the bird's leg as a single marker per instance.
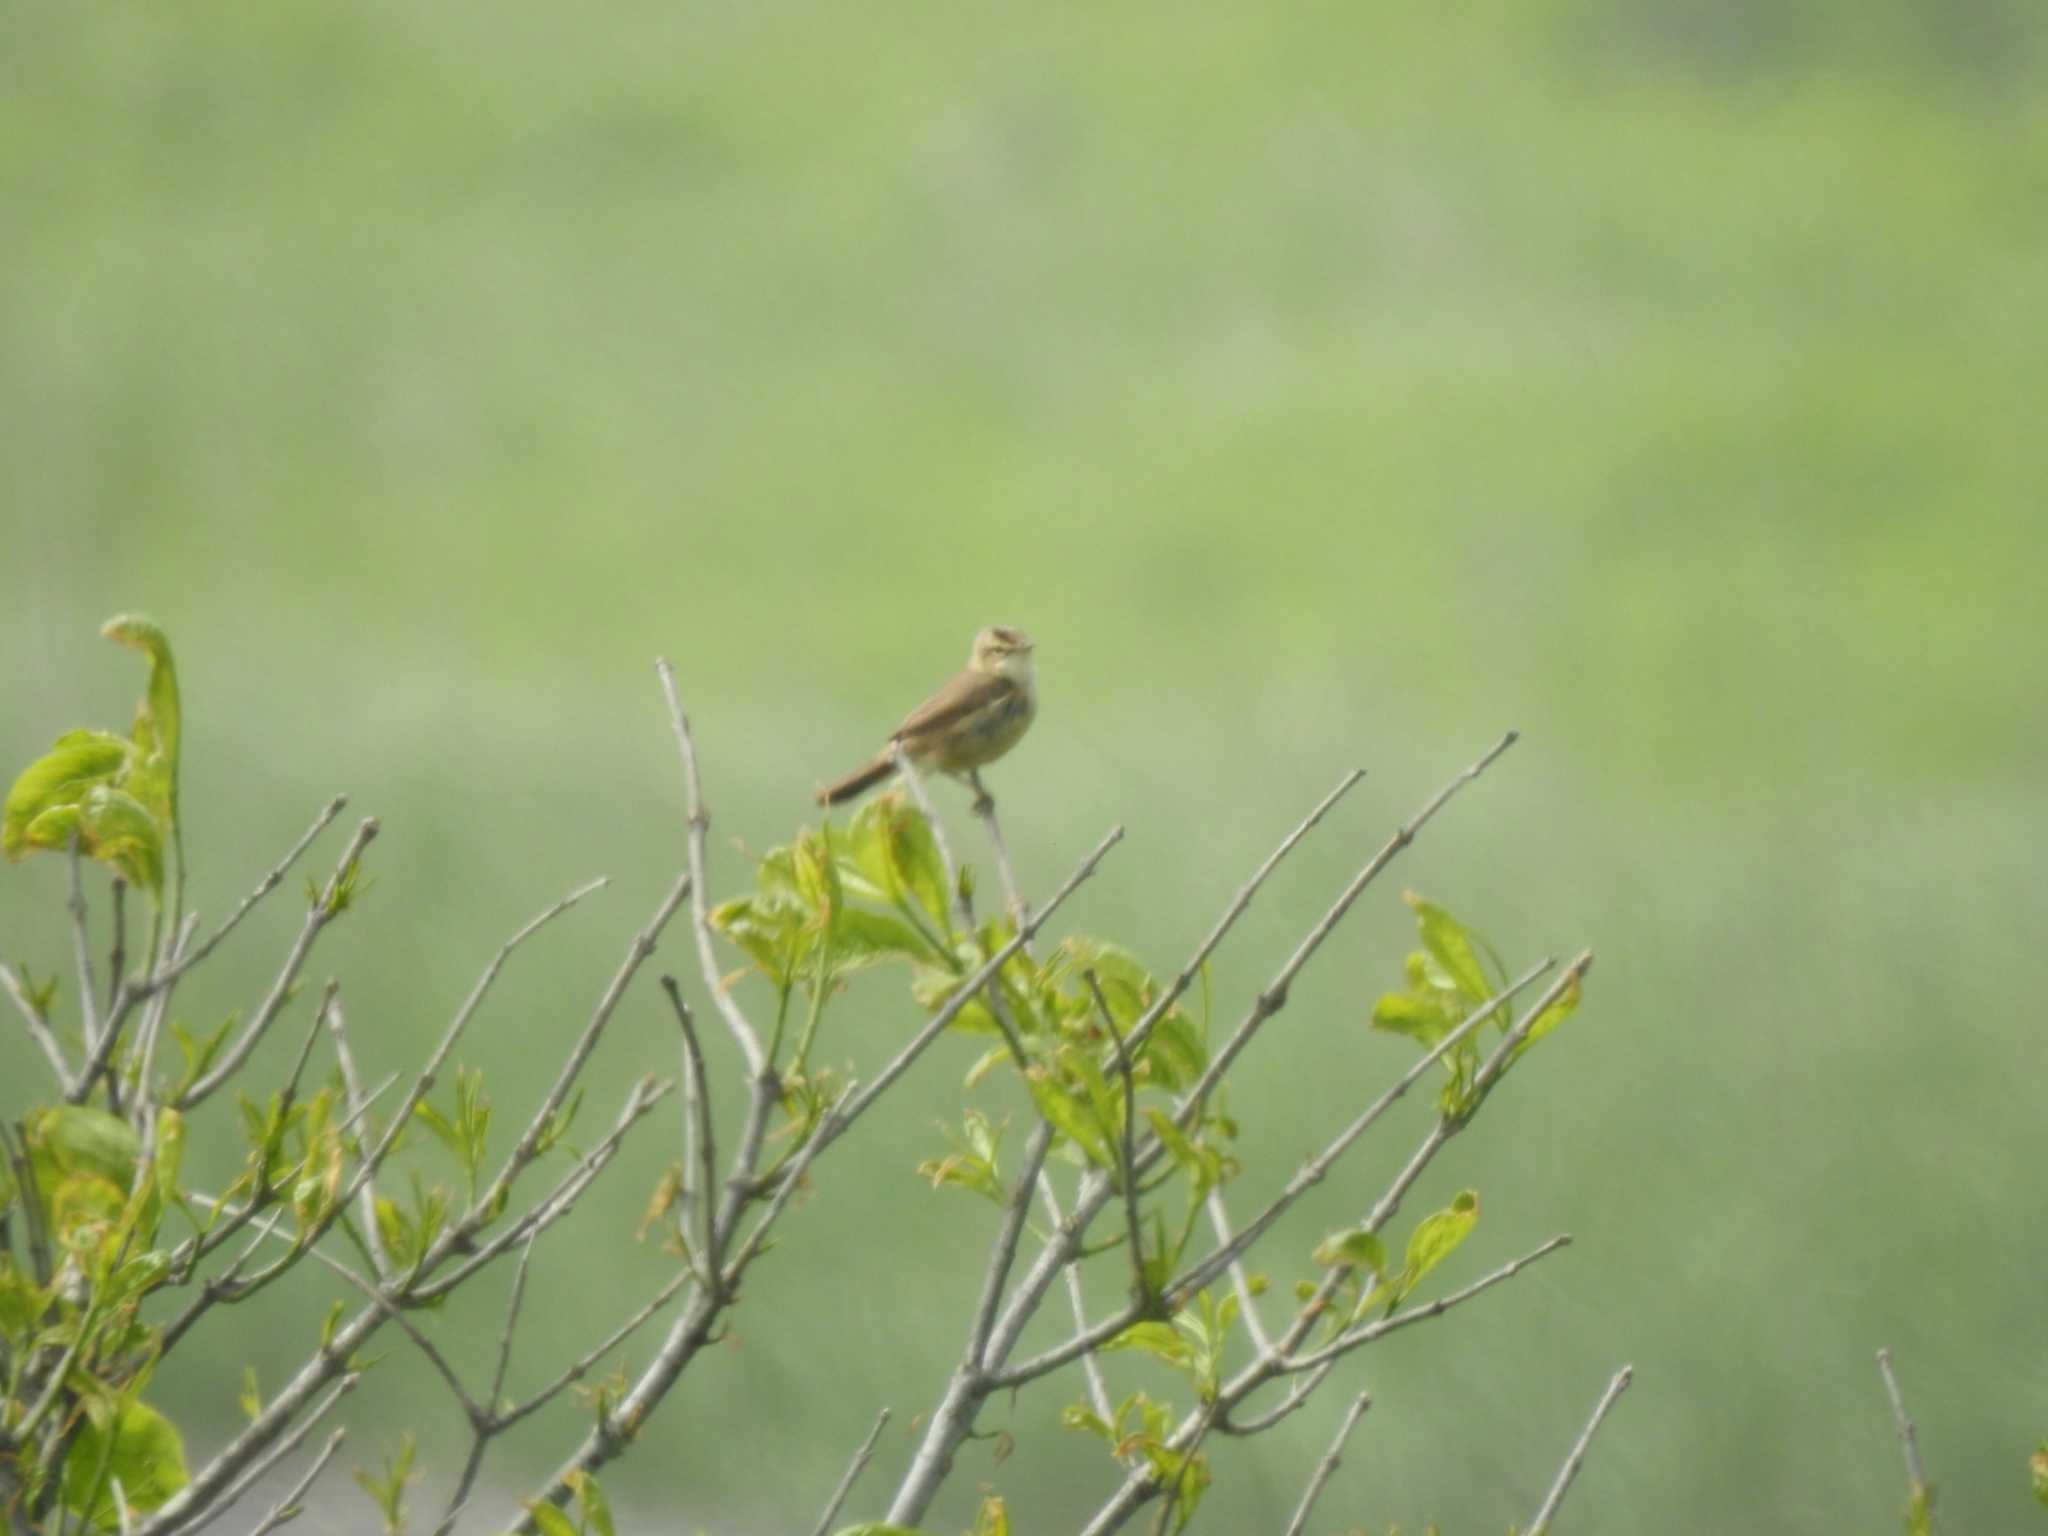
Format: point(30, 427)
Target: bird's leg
point(985, 808)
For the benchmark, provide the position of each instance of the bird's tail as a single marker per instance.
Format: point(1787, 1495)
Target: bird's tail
point(859, 782)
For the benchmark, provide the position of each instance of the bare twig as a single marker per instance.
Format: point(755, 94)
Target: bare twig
point(324, 909)
point(155, 1011)
point(743, 1032)
point(1577, 1458)
point(1003, 1252)
point(640, 1101)
point(1274, 997)
point(352, 1085)
point(1127, 1159)
point(1077, 1301)
point(1240, 1281)
point(700, 1140)
point(178, 1513)
point(1919, 1490)
point(1142, 1030)
point(81, 942)
point(38, 1028)
point(1303, 1389)
point(117, 960)
point(527, 1147)
point(854, 1469)
point(292, 1505)
point(581, 1366)
point(169, 973)
point(1328, 1464)
point(1359, 1337)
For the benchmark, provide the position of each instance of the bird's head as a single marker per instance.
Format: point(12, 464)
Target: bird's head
point(1002, 652)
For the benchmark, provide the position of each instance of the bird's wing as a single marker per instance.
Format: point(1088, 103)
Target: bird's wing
point(966, 694)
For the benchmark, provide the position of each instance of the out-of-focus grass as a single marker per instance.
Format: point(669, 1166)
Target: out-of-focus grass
point(1320, 388)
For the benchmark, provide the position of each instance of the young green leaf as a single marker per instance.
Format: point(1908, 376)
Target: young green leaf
point(130, 1441)
point(590, 1501)
point(1358, 1248)
point(1436, 1236)
point(80, 761)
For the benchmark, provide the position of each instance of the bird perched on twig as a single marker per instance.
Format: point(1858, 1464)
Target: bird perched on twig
point(969, 723)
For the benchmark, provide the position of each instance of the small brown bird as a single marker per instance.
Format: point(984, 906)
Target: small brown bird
point(972, 721)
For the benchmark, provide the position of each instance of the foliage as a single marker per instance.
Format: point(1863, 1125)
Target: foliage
point(111, 1257)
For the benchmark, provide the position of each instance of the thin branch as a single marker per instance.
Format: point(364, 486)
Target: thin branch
point(483, 1430)
point(177, 1513)
point(1318, 1167)
point(1919, 1489)
point(323, 911)
point(1368, 1333)
point(292, 1505)
point(81, 942)
point(38, 1028)
point(154, 1013)
point(1300, 1392)
point(1127, 1160)
point(700, 1141)
point(1003, 1251)
point(117, 959)
point(1577, 1458)
point(743, 1032)
point(528, 1146)
point(1328, 1465)
point(580, 1368)
point(1077, 1300)
point(1240, 1281)
point(787, 1182)
point(853, 1471)
point(1142, 1030)
point(166, 975)
point(352, 1085)
point(506, 1334)
point(640, 1101)
point(1274, 997)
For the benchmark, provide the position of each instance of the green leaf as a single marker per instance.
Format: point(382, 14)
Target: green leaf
point(1561, 1009)
point(158, 723)
point(57, 780)
point(2037, 1465)
point(73, 1138)
point(1422, 1015)
point(1071, 1117)
point(870, 1528)
point(1154, 1338)
point(1445, 940)
point(1436, 1236)
point(862, 937)
point(893, 846)
point(597, 1514)
point(118, 829)
point(131, 1442)
point(550, 1520)
point(1358, 1248)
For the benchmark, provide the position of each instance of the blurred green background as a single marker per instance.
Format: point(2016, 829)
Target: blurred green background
point(1321, 385)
